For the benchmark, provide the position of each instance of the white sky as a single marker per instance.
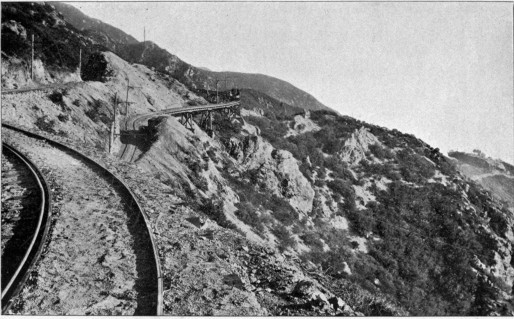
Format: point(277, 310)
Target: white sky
point(441, 71)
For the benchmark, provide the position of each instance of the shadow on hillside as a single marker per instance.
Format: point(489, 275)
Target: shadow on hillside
point(139, 138)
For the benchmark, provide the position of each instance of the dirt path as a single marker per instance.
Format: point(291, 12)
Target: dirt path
point(95, 261)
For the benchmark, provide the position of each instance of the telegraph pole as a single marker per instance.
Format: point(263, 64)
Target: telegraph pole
point(217, 99)
point(113, 124)
point(217, 81)
point(32, 59)
point(80, 59)
point(126, 97)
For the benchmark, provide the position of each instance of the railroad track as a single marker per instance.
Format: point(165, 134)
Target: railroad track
point(129, 151)
point(144, 251)
point(28, 226)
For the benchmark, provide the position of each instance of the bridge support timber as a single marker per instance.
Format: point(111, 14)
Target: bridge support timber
point(186, 119)
point(205, 114)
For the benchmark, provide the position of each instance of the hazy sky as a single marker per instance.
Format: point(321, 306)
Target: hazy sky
point(441, 71)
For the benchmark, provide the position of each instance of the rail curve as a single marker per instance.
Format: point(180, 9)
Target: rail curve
point(33, 252)
point(130, 194)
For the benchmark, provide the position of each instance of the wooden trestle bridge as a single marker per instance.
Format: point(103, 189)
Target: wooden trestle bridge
point(205, 111)
point(204, 114)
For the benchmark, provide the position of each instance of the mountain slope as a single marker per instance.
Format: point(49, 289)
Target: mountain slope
point(152, 55)
point(103, 33)
point(283, 211)
point(396, 213)
point(494, 175)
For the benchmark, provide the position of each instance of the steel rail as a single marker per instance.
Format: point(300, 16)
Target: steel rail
point(118, 180)
point(39, 236)
point(198, 109)
point(125, 146)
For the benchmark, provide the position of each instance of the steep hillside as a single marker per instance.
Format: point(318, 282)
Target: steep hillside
point(57, 43)
point(394, 211)
point(153, 56)
point(494, 175)
point(103, 33)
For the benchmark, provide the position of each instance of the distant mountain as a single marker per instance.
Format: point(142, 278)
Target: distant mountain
point(101, 32)
point(493, 174)
point(195, 78)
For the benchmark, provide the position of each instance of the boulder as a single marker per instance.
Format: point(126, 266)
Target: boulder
point(355, 148)
point(346, 269)
point(338, 304)
point(277, 170)
point(307, 290)
point(15, 27)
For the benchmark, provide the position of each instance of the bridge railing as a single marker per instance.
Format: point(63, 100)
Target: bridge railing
point(199, 109)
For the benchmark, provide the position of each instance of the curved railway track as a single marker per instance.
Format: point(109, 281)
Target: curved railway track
point(29, 238)
point(148, 246)
point(129, 151)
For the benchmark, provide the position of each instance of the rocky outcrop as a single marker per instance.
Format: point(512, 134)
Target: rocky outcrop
point(302, 124)
point(276, 170)
point(493, 174)
point(355, 148)
point(15, 28)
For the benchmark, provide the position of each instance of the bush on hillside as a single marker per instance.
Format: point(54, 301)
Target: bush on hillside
point(312, 240)
point(247, 213)
point(45, 124)
point(214, 210)
point(284, 237)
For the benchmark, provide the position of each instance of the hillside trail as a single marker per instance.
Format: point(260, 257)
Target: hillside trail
point(92, 264)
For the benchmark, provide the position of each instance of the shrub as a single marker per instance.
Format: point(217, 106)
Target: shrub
point(284, 237)
point(45, 124)
point(63, 118)
point(282, 210)
point(312, 240)
point(215, 211)
point(361, 222)
point(226, 128)
point(380, 152)
point(248, 215)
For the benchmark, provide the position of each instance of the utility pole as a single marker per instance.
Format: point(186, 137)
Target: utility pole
point(217, 99)
point(126, 97)
point(113, 124)
point(217, 81)
point(32, 59)
point(80, 59)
